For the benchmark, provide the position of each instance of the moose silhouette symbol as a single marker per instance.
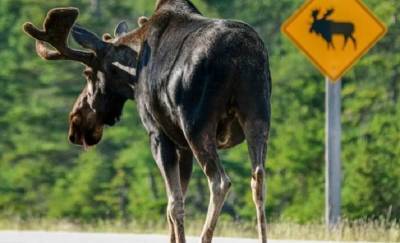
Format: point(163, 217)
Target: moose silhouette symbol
point(328, 28)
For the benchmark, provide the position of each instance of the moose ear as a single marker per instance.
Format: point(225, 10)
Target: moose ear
point(142, 20)
point(87, 39)
point(121, 29)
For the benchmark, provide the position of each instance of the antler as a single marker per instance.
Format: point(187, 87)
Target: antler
point(57, 27)
point(315, 13)
point(328, 13)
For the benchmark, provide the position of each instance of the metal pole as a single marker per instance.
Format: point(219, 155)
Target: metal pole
point(95, 6)
point(332, 152)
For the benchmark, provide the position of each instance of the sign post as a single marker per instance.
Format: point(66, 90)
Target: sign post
point(333, 34)
point(332, 152)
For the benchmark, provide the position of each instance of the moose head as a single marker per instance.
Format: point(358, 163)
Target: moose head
point(109, 71)
point(317, 22)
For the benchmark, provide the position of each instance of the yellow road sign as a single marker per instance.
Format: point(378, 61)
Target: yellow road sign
point(334, 34)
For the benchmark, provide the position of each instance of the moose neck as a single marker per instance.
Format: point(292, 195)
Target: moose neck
point(123, 84)
point(127, 90)
point(130, 94)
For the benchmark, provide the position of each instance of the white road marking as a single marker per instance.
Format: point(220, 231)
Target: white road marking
point(64, 237)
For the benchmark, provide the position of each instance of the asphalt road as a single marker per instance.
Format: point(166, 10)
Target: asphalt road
point(62, 237)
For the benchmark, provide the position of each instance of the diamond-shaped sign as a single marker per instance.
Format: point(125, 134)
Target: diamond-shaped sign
point(334, 34)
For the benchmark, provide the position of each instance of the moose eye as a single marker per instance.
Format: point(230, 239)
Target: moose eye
point(88, 73)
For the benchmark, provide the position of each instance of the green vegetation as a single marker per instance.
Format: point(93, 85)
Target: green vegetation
point(42, 176)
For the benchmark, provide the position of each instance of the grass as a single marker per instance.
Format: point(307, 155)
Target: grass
point(362, 230)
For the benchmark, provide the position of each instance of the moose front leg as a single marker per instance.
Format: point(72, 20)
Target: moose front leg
point(164, 152)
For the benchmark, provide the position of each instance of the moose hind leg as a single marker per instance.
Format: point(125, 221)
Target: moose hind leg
point(165, 155)
point(185, 161)
point(256, 136)
point(346, 39)
point(205, 150)
point(354, 41)
point(254, 117)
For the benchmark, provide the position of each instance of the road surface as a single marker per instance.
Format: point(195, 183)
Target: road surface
point(63, 237)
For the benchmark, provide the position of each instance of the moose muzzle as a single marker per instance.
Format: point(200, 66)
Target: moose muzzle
point(84, 132)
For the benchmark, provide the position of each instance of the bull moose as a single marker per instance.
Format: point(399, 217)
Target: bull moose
point(328, 28)
point(200, 85)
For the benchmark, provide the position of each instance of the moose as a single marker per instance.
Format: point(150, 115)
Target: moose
point(328, 28)
point(200, 85)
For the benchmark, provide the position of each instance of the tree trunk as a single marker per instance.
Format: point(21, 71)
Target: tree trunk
point(95, 6)
point(124, 202)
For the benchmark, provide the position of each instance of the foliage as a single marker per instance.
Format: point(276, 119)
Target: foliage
point(42, 176)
